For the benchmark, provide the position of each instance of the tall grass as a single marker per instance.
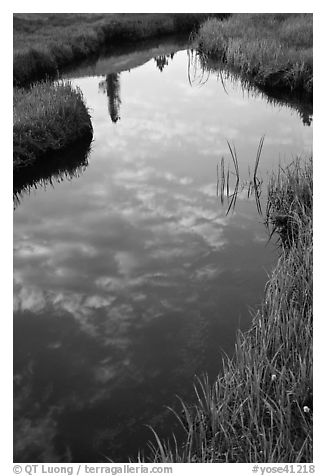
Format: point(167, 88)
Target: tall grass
point(273, 50)
point(44, 43)
point(47, 118)
point(289, 208)
point(260, 407)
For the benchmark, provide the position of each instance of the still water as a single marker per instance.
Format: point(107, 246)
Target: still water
point(129, 277)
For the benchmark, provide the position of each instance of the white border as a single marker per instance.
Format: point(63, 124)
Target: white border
point(319, 210)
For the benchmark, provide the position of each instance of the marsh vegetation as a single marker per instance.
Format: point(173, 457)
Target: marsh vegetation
point(273, 51)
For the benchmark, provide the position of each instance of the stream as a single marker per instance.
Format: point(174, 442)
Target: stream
point(130, 277)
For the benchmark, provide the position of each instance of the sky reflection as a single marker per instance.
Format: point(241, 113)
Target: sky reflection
point(131, 279)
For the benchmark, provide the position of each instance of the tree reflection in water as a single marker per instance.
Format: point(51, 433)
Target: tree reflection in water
point(163, 60)
point(111, 85)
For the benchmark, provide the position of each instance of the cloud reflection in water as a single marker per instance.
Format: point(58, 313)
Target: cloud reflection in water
point(130, 280)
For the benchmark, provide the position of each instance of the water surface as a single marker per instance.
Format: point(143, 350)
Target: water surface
point(129, 277)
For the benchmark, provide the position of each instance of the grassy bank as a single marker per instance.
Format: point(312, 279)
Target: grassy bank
point(44, 43)
point(260, 407)
point(273, 51)
point(47, 118)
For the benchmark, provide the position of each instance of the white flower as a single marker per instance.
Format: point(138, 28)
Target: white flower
point(306, 409)
point(273, 378)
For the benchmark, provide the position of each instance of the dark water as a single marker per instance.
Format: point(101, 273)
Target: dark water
point(129, 278)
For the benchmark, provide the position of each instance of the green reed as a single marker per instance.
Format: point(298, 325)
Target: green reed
point(223, 180)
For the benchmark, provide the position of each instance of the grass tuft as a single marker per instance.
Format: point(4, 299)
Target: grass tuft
point(47, 118)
